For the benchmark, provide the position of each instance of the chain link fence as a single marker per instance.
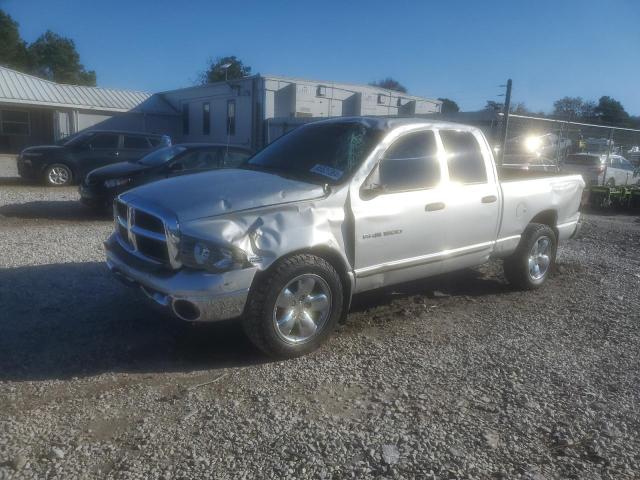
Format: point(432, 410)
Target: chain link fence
point(603, 155)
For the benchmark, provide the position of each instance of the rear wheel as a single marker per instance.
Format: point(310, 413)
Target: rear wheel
point(294, 309)
point(531, 263)
point(58, 175)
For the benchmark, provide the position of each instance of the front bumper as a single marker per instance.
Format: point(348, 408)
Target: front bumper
point(189, 295)
point(94, 197)
point(27, 169)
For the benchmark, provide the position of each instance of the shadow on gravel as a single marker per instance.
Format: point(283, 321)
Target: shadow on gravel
point(54, 210)
point(10, 181)
point(469, 283)
point(66, 320)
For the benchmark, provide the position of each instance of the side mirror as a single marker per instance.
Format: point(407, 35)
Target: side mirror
point(371, 190)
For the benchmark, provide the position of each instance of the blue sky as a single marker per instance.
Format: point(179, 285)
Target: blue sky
point(458, 49)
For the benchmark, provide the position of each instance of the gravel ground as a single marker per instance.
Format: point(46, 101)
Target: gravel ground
point(455, 377)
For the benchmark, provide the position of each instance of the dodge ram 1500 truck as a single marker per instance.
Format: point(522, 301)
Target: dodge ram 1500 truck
point(331, 209)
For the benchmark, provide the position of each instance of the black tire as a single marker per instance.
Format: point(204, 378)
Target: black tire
point(259, 319)
point(611, 182)
point(58, 175)
point(516, 267)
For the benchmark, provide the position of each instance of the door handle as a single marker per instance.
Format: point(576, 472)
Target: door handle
point(489, 199)
point(432, 207)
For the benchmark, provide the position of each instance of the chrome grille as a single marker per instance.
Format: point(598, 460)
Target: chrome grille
point(143, 234)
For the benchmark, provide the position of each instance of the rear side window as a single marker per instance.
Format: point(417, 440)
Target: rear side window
point(104, 140)
point(464, 157)
point(411, 163)
point(139, 143)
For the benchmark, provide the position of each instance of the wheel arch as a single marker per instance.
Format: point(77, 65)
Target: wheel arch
point(331, 255)
point(548, 218)
point(66, 163)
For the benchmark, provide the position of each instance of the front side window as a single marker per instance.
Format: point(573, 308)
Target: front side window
point(206, 118)
point(136, 143)
point(464, 157)
point(411, 163)
point(231, 117)
point(104, 141)
point(318, 152)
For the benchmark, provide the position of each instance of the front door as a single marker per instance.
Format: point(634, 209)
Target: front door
point(100, 150)
point(400, 215)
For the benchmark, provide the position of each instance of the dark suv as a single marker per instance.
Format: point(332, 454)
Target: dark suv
point(69, 162)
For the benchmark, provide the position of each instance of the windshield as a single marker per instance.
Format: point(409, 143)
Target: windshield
point(318, 153)
point(159, 157)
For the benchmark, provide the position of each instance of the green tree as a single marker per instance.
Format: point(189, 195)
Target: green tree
point(519, 109)
point(390, 84)
point(216, 73)
point(568, 108)
point(449, 106)
point(13, 50)
point(611, 112)
point(493, 105)
point(55, 58)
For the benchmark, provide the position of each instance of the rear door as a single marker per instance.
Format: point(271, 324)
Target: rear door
point(101, 149)
point(473, 199)
point(134, 147)
point(399, 231)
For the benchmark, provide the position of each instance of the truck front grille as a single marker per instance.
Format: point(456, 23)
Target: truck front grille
point(142, 233)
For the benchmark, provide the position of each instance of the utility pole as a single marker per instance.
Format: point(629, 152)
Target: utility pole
point(505, 119)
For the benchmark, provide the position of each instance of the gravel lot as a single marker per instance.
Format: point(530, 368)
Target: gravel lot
point(456, 377)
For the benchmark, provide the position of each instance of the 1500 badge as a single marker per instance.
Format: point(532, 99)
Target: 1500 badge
point(381, 234)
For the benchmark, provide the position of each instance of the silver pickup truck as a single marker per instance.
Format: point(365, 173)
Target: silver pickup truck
point(334, 208)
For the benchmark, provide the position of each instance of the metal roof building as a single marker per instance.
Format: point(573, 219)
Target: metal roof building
point(36, 111)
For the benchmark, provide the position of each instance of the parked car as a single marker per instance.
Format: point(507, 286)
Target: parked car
point(101, 186)
point(592, 167)
point(69, 162)
point(333, 208)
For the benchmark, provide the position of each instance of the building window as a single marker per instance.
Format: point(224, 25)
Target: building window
point(185, 119)
point(14, 122)
point(231, 117)
point(321, 91)
point(381, 99)
point(206, 118)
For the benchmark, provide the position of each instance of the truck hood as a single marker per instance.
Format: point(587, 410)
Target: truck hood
point(220, 192)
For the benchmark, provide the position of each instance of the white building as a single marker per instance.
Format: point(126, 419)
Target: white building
point(254, 110)
point(34, 111)
point(250, 111)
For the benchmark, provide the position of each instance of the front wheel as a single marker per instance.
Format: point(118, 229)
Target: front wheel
point(531, 263)
point(295, 307)
point(58, 175)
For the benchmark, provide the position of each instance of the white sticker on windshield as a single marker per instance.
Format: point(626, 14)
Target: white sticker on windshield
point(326, 171)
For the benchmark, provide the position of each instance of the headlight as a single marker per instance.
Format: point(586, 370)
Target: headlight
point(31, 154)
point(26, 161)
point(205, 255)
point(116, 182)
